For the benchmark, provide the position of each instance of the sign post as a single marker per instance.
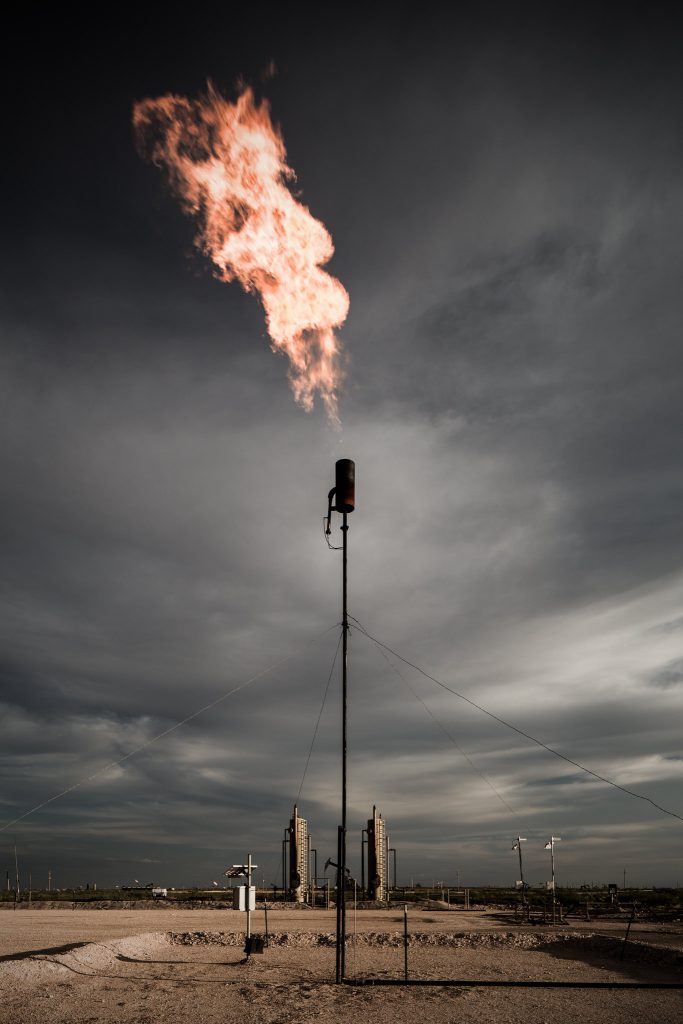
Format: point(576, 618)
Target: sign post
point(249, 902)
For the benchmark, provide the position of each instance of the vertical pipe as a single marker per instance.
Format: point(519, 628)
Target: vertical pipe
point(552, 871)
point(345, 635)
point(631, 921)
point(248, 901)
point(284, 876)
point(525, 912)
point(338, 968)
point(308, 865)
point(363, 844)
point(405, 941)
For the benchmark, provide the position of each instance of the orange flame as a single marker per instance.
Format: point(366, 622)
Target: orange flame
point(227, 163)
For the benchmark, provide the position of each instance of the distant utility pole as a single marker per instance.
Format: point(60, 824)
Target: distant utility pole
point(551, 846)
point(49, 879)
point(517, 845)
point(16, 871)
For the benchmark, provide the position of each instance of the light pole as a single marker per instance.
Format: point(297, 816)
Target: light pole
point(551, 846)
point(344, 496)
point(517, 845)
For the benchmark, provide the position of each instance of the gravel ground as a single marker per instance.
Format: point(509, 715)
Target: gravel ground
point(126, 968)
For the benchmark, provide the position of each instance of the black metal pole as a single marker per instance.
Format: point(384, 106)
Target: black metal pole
point(628, 929)
point(345, 634)
point(345, 499)
point(405, 941)
point(338, 968)
point(363, 843)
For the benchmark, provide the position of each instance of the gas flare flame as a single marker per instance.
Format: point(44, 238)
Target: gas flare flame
point(227, 163)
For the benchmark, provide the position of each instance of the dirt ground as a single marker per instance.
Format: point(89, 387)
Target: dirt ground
point(164, 965)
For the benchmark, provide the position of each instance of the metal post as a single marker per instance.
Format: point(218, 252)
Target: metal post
point(345, 634)
point(628, 929)
point(551, 846)
point(315, 875)
point(285, 866)
point(284, 879)
point(343, 494)
point(552, 872)
point(518, 844)
point(248, 899)
point(338, 958)
point(308, 866)
point(355, 918)
point(405, 941)
point(393, 850)
point(363, 844)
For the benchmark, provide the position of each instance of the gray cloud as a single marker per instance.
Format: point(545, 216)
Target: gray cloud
point(506, 224)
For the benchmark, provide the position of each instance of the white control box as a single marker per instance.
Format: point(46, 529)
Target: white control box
point(239, 897)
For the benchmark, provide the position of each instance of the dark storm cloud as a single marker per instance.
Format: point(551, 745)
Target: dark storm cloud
point(504, 197)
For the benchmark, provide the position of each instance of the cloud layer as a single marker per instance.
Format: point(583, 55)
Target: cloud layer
point(506, 225)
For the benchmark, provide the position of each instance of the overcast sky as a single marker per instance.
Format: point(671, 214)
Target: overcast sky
point(505, 198)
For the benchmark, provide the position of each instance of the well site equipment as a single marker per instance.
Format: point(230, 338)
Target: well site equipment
point(342, 499)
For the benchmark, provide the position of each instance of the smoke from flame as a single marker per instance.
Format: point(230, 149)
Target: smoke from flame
point(227, 163)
